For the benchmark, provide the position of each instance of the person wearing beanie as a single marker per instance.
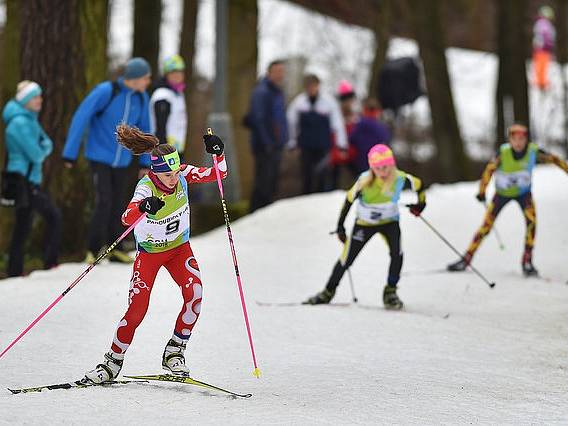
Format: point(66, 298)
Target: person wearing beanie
point(377, 192)
point(168, 112)
point(544, 40)
point(107, 105)
point(513, 166)
point(27, 147)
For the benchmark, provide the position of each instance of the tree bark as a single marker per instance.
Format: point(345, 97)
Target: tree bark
point(147, 20)
point(382, 36)
point(241, 72)
point(193, 147)
point(453, 163)
point(55, 52)
point(512, 50)
point(562, 57)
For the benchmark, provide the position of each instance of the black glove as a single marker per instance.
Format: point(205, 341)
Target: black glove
point(416, 209)
point(480, 197)
point(151, 205)
point(213, 144)
point(340, 231)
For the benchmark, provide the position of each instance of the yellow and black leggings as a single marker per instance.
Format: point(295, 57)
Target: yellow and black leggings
point(526, 203)
point(355, 243)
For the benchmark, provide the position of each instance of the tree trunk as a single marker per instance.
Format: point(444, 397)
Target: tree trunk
point(9, 77)
point(193, 147)
point(53, 43)
point(453, 163)
point(147, 19)
point(512, 76)
point(562, 57)
point(241, 72)
point(382, 36)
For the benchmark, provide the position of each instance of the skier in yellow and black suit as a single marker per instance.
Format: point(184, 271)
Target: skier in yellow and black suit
point(377, 192)
point(513, 167)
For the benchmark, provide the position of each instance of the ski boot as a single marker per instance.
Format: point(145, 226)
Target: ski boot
point(460, 265)
point(120, 256)
point(323, 297)
point(173, 359)
point(108, 370)
point(529, 270)
point(390, 298)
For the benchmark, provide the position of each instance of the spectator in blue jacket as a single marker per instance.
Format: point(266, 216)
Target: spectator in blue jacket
point(106, 106)
point(27, 147)
point(269, 132)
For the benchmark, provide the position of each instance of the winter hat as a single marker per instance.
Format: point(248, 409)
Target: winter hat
point(136, 68)
point(546, 12)
point(26, 91)
point(165, 163)
point(380, 155)
point(345, 90)
point(173, 63)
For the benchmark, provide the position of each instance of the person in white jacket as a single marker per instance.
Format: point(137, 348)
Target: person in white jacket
point(168, 113)
point(314, 119)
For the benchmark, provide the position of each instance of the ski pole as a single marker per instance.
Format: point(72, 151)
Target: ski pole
point(497, 235)
point(473, 268)
point(355, 300)
point(256, 371)
point(74, 283)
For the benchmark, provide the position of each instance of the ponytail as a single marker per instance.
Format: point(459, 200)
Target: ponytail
point(136, 141)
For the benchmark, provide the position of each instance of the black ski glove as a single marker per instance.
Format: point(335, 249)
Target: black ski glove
point(416, 209)
point(340, 231)
point(151, 205)
point(480, 197)
point(213, 144)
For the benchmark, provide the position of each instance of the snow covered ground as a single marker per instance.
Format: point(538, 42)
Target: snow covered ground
point(461, 353)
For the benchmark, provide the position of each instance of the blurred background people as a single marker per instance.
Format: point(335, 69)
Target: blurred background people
point(168, 112)
point(366, 133)
point(27, 147)
point(544, 40)
point(106, 106)
point(267, 122)
point(314, 119)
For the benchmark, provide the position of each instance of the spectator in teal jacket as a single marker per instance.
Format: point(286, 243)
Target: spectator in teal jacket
point(27, 147)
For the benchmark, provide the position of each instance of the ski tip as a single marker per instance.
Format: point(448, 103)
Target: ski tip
point(14, 391)
point(256, 373)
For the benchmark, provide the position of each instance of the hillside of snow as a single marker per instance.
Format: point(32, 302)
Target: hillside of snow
point(460, 353)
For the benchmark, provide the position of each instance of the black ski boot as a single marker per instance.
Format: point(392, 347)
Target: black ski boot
point(390, 298)
point(323, 297)
point(529, 270)
point(460, 265)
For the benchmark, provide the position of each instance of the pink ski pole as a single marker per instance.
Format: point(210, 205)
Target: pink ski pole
point(256, 371)
point(73, 284)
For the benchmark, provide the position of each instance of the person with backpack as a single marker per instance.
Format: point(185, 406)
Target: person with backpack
point(168, 112)
point(513, 167)
point(377, 192)
point(314, 119)
point(27, 147)
point(162, 239)
point(106, 106)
